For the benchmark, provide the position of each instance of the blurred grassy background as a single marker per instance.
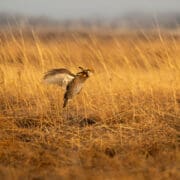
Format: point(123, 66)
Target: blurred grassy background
point(134, 98)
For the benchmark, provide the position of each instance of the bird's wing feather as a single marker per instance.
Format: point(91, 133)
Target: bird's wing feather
point(60, 77)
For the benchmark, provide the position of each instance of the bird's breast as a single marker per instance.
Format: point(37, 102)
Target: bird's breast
point(78, 88)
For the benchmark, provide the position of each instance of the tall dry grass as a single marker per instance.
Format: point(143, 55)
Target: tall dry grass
point(134, 97)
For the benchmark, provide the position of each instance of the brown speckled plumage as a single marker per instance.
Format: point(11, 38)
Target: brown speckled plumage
point(64, 77)
point(75, 86)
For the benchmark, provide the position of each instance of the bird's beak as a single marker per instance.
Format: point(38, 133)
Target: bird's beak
point(91, 72)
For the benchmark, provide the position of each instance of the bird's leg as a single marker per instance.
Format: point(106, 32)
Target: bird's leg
point(65, 102)
point(65, 105)
point(67, 113)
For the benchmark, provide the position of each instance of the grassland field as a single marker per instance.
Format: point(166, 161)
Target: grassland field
point(133, 98)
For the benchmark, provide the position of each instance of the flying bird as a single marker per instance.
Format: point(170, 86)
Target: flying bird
point(73, 83)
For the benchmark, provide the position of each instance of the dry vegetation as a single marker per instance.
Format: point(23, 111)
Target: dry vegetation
point(133, 100)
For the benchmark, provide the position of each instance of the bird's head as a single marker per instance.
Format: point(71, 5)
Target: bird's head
point(85, 72)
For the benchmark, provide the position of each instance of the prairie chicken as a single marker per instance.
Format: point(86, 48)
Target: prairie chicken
point(64, 78)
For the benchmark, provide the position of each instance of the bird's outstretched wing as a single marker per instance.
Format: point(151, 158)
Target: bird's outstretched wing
point(60, 77)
